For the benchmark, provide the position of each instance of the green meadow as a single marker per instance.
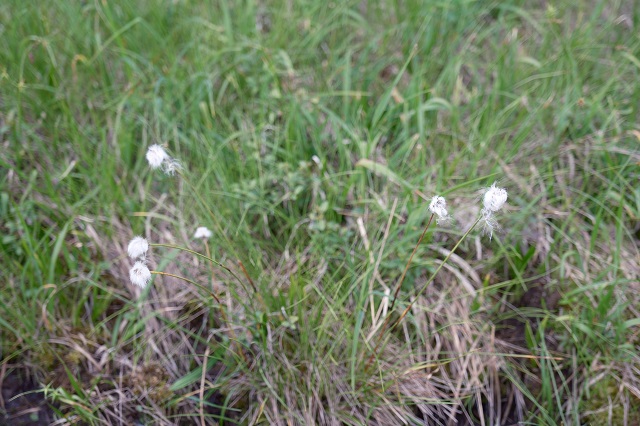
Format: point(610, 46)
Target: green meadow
point(309, 137)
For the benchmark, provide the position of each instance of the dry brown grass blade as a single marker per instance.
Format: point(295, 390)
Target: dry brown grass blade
point(246, 274)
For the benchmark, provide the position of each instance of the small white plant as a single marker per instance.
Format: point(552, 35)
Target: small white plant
point(203, 233)
point(140, 275)
point(438, 206)
point(137, 248)
point(171, 166)
point(157, 158)
point(493, 200)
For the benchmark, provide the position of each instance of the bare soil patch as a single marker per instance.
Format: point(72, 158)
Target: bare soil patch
point(23, 403)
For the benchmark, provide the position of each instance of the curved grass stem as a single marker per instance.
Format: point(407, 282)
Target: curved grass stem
point(432, 277)
point(200, 286)
point(395, 295)
point(406, 268)
point(214, 218)
point(196, 193)
point(232, 333)
point(210, 259)
point(424, 287)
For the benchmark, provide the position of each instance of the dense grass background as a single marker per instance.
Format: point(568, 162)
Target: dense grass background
point(311, 136)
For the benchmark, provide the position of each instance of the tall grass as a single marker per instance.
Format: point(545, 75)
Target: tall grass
point(314, 134)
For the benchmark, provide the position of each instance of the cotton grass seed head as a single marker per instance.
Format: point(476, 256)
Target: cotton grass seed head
point(438, 206)
point(138, 247)
point(203, 232)
point(156, 156)
point(170, 166)
point(494, 198)
point(140, 275)
point(489, 223)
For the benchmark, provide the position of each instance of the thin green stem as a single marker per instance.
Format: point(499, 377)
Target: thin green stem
point(202, 256)
point(406, 268)
point(216, 223)
point(192, 252)
point(206, 206)
point(395, 295)
point(200, 286)
point(213, 272)
point(404, 313)
point(232, 333)
point(446, 259)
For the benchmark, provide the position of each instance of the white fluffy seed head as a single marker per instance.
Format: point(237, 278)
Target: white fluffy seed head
point(494, 198)
point(438, 206)
point(140, 275)
point(489, 223)
point(170, 166)
point(203, 232)
point(137, 247)
point(156, 156)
